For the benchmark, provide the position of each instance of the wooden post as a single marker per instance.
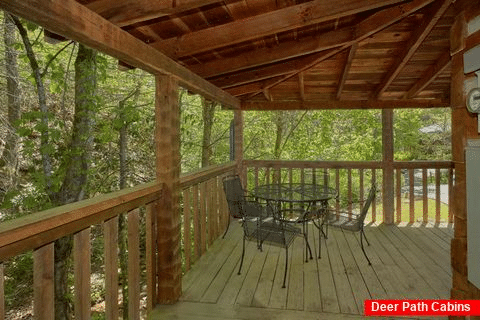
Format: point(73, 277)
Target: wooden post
point(2, 292)
point(238, 120)
point(81, 257)
point(464, 126)
point(167, 145)
point(388, 184)
point(43, 289)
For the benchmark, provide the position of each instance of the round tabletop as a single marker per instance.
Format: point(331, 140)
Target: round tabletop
point(295, 192)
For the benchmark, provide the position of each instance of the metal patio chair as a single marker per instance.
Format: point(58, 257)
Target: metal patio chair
point(352, 222)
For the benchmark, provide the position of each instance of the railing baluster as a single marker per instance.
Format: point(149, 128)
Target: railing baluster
point(337, 187)
point(374, 203)
point(151, 257)
point(203, 218)
point(82, 270)
point(450, 195)
point(210, 213)
point(425, 195)
point(2, 292)
point(196, 223)
point(349, 184)
point(110, 231)
point(437, 195)
point(186, 228)
point(411, 173)
point(134, 264)
point(399, 195)
point(43, 287)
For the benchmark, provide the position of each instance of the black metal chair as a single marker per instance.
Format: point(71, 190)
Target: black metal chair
point(236, 196)
point(260, 222)
point(350, 221)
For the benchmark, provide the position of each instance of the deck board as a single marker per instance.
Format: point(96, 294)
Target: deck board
point(407, 262)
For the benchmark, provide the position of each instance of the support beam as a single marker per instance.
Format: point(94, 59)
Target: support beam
point(292, 17)
point(429, 75)
point(74, 21)
point(346, 69)
point(415, 41)
point(238, 122)
point(343, 104)
point(388, 185)
point(142, 10)
point(167, 141)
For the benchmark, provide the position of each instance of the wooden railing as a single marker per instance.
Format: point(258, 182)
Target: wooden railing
point(205, 214)
point(352, 180)
point(39, 231)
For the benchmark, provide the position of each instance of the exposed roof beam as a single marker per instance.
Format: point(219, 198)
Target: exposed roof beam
point(432, 72)
point(250, 87)
point(415, 41)
point(265, 24)
point(267, 72)
point(342, 104)
point(346, 69)
point(126, 12)
point(324, 41)
point(74, 21)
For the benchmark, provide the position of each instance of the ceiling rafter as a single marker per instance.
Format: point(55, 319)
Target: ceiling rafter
point(430, 75)
point(365, 29)
point(127, 12)
point(301, 85)
point(265, 24)
point(415, 41)
point(266, 72)
point(346, 69)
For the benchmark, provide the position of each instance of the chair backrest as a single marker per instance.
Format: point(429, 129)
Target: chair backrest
point(370, 198)
point(232, 186)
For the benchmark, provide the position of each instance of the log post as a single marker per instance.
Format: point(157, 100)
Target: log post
point(388, 184)
point(464, 126)
point(167, 145)
point(238, 122)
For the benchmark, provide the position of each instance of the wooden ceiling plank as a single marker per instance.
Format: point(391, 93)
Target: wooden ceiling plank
point(126, 12)
point(430, 75)
point(343, 104)
point(74, 21)
point(366, 28)
point(265, 24)
point(346, 69)
point(415, 41)
point(301, 86)
point(292, 49)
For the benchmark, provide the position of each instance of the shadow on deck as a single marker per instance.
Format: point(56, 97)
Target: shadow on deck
point(411, 262)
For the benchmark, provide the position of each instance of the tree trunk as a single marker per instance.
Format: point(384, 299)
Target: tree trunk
point(74, 183)
point(42, 104)
point(9, 158)
point(208, 113)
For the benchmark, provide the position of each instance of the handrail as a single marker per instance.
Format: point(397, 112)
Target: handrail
point(37, 229)
point(203, 174)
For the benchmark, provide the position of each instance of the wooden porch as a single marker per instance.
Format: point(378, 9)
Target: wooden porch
point(408, 262)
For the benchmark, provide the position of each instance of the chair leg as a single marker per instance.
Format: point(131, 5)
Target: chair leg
point(286, 266)
point(362, 234)
point(307, 245)
point(228, 225)
point(243, 254)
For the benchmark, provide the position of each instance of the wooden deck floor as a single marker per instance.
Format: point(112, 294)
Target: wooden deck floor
point(407, 262)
